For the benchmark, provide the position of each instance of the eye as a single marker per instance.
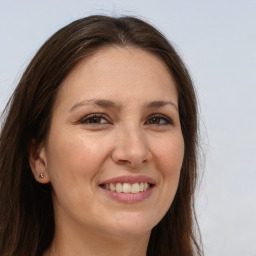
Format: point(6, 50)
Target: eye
point(94, 119)
point(158, 119)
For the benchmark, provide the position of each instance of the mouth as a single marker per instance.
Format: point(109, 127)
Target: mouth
point(127, 188)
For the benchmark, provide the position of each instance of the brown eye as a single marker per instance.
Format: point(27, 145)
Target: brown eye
point(94, 119)
point(159, 120)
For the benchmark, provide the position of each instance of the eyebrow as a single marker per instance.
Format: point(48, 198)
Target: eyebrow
point(98, 102)
point(160, 103)
point(111, 104)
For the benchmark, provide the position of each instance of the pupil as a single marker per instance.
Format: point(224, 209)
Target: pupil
point(95, 120)
point(155, 120)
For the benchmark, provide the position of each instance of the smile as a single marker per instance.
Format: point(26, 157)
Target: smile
point(133, 188)
point(129, 189)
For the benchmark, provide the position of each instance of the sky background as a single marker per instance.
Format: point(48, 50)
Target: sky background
point(217, 40)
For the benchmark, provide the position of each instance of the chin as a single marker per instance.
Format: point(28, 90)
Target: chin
point(133, 225)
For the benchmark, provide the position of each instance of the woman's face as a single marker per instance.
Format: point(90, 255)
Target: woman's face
point(115, 148)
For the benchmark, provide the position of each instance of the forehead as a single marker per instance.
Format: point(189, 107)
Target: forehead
point(120, 73)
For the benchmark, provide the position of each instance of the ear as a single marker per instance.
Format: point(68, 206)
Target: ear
point(38, 162)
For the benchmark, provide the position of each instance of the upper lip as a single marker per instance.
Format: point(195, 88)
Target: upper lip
point(129, 179)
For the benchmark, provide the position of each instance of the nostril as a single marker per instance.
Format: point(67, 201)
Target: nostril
point(123, 161)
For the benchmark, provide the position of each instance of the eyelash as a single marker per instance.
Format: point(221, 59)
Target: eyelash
point(166, 119)
point(94, 118)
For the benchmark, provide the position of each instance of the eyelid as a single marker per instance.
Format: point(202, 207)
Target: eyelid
point(84, 119)
point(93, 115)
point(168, 120)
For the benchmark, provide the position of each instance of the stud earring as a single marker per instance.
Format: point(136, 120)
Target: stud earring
point(41, 175)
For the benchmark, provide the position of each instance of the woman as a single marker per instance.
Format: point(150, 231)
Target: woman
point(98, 150)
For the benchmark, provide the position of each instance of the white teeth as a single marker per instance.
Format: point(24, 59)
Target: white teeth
point(127, 187)
point(135, 188)
point(119, 187)
point(112, 187)
point(141, 186)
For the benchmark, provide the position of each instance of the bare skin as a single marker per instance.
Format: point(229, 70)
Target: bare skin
point(115, 116)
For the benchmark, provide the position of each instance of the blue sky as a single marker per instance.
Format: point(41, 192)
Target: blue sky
point(217, 41)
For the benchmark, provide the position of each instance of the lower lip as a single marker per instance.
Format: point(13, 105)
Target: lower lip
point(129, 198)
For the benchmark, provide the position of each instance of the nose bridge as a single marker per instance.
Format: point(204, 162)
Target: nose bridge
point(131, 146)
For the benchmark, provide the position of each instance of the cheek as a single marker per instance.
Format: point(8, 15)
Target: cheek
point(74, 156)
point(170, 159)
point(169, 155)
point(74, 163)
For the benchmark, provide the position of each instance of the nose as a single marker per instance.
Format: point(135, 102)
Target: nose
point(131, 148)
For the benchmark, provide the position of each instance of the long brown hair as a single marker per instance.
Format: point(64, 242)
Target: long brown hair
point(26, 210)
